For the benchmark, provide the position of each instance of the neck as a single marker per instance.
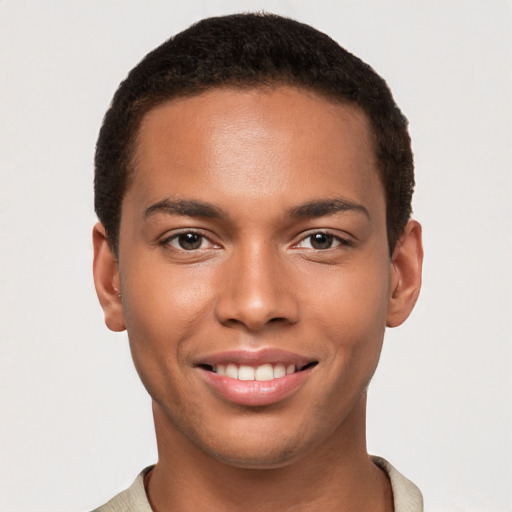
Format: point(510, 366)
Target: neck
point(338, 475)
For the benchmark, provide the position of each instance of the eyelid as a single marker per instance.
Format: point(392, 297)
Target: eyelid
point(343, 241)
point(173, 235)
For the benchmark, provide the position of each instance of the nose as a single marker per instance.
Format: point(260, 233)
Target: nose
point(256, 291)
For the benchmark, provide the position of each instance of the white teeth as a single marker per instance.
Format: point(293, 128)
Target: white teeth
point(246, 373)
point(280, 370)
point(232, 371)
point(264, 372)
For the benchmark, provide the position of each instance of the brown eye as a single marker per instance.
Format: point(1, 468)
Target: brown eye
point(189, 241)
point(321, 241)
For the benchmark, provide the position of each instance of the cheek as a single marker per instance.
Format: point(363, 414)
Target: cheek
point(164, 300)
point(162, 313)
point(162, 310)
point(352, 312)
point(355, 296)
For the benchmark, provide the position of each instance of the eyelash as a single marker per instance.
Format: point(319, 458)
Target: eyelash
point(202, 237)
point(334, 239)
point(331, 239)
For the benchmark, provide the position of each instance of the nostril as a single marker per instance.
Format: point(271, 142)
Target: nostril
point(277, 319)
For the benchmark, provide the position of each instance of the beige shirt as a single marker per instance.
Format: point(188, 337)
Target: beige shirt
point(406, 496)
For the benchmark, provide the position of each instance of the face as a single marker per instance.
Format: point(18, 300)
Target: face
point(254, 271)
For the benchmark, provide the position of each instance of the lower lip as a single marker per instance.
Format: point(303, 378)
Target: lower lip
point(253, 392)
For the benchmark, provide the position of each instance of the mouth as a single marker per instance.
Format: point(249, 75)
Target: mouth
point(262, 373)
point(256, 378)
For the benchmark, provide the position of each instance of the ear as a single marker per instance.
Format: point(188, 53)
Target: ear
point(106, 280)
point(406, 265)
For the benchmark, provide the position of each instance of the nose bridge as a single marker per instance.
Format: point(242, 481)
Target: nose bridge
point(255, 289)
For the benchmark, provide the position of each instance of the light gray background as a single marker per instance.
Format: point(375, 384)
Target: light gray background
point(75, 424)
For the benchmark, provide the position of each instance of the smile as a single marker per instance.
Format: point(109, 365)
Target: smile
point(262, 373)
point(255, 379)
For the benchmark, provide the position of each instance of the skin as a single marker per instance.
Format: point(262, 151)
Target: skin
point(257, 281)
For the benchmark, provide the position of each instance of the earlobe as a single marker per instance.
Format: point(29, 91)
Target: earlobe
point(106, 280)
point(406, 268)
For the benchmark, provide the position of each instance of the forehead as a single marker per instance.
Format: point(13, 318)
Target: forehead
point(266, 142)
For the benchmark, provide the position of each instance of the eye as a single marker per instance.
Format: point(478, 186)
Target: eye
point(321, 241)
point(188, 241)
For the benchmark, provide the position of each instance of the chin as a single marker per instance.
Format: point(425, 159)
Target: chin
point(248, 457)
point(258, 441)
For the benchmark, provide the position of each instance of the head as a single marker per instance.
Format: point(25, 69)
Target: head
point(248, 51)
point(252, 180)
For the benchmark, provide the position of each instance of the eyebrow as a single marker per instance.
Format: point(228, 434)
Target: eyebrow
point(311, 209)
point(323, 207)
point(190, 208)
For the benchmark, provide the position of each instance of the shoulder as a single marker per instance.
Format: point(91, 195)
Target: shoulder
point(406, 496)
point(133, 499)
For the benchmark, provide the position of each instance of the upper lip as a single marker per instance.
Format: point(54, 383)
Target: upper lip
point(255, 358)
